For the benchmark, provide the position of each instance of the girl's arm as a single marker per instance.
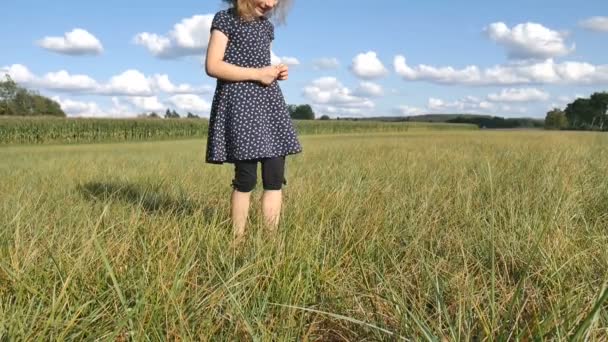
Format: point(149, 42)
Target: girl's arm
point(217, 68)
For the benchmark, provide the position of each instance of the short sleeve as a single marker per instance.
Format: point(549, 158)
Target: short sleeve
point(222, 22)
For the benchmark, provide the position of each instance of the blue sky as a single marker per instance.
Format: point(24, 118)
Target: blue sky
point(355, 58)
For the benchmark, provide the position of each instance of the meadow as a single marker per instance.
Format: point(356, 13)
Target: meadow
point(413, 235)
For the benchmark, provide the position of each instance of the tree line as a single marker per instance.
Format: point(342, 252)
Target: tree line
point(582, 114)
point(18, 101)
point(169, 114)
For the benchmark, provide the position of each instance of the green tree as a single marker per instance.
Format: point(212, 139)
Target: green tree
point(15, 100)
point(556, 119)
point(192, 116)
point(324, 117)
point(303, 112)
point(599, 102)
point(292, 110)
point(589, 113)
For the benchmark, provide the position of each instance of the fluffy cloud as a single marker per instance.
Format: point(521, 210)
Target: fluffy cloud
point(368, 66)
point(191, 103)
point(516, 73)
point(330, 92)
point(326, 63)
point(147, 103)
point(80, 108)
point(76, 42)
point(161, 82)
point(519, 95)
point(333, 111)
point(469, 104)
point(188, 37)
point(19, 73)
point(529, 40)
point(285, 60)
point(408, 111)
point(369, 89)
point(64, 81)
point(599, 24)
point(129, 83)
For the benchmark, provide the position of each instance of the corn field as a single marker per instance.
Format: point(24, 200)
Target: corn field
point(57, 130)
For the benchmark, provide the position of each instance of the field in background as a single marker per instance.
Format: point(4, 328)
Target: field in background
point(423, 235)
point(45, 130)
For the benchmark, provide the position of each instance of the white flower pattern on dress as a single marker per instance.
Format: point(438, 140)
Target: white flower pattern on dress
point(248, 120)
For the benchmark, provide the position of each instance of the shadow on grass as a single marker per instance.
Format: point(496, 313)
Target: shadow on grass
point(150, 198)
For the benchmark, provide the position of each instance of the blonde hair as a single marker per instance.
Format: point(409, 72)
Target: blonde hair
point(246, 9)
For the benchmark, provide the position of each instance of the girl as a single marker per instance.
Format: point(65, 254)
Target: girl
point(249, 120)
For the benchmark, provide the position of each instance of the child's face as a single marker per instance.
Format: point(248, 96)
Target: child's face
point(262, 7)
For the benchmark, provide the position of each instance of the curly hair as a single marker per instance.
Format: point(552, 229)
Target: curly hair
point(245, 9)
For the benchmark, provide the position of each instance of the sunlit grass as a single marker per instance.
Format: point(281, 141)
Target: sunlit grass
point(387, 236)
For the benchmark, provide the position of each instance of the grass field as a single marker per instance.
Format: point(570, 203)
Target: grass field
point(429, 235)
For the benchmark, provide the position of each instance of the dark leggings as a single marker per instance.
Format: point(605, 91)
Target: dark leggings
point(273, 174)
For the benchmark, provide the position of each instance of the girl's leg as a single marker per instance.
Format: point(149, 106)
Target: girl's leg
point(273, 177)
point(239, 212)
point(245, 173)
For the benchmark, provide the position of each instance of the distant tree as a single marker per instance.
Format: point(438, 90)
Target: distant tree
point(15, 100)
point(324, 117)
point(556, 119)
point(171, 114)
point(192, 116)
point(599, 102)
point(292, 110)
point(589, 113)
point(303, 112)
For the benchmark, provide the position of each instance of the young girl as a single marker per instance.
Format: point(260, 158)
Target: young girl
point(249, 120)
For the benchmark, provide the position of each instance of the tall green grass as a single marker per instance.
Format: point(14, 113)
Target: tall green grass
point(394, 236)
point(36, 130)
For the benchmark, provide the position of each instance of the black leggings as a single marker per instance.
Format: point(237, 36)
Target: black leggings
point(273, 174)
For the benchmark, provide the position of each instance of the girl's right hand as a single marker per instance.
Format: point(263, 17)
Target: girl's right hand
point(268, 75)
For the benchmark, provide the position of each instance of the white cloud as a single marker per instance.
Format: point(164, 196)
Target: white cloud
point(368, 66)
point(285, 60)
point(129, 83)
point(64, 81)
point(76, 42)
point(529, 40)
point(519, 95)
point(80, 108)
point(517, 73)
point(188, 38)
point(191, 103)
point(333, 111)
point(469, 104)
point(19, 73)
point(330, 92)
point(147, 103)
point(369, 89)
point(161, 82)
point(60, 80)
point(408, 111)
point(599, 24)
point(326, 63)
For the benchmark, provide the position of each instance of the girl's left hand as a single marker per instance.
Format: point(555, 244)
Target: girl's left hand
point(283, 72)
